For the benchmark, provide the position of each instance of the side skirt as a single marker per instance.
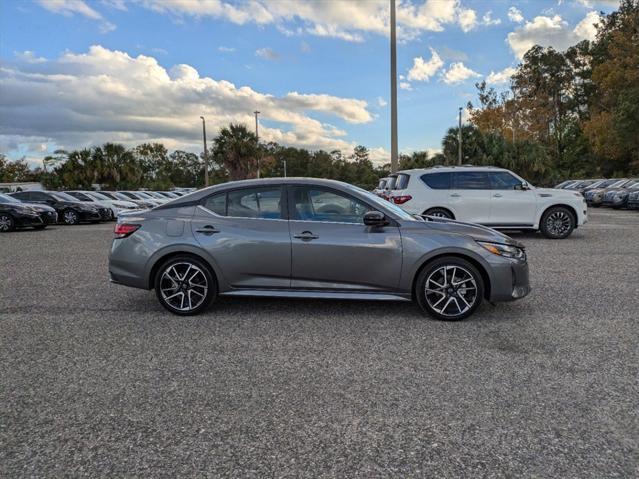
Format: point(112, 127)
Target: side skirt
point(271, 293)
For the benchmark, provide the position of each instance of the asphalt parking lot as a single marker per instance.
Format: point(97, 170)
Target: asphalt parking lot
point(97, 379)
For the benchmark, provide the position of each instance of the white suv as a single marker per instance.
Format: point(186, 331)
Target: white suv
point(489, 196)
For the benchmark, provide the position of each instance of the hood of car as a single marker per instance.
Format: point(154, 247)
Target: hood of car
point(477, 232)
point(556, 193)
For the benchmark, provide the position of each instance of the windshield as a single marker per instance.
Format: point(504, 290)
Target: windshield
point(377, 201)
point(97, 196)
point(8, 199)
point(142, 194)
point(108, 194)
point(58, 195)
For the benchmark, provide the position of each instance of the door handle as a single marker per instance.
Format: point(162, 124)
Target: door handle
point(207, 230)
point(455, 195)
point(497, 195)
point(306, 235)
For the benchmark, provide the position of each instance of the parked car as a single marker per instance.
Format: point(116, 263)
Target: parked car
point(566, 184)
point(633, 200)
point(381, 185)
point(156, 196)
point(138, 196)
point(111, 207)
point(580, 186)
point(117, 196)
point(388, 188)
point(17, 215)
point(618, 197)
point(70, 210)
point(311, 238)
point(492, 197)
point(594, 194)
point(47, 214)
point(168, 194)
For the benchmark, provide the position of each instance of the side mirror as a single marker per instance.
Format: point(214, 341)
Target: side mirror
point(523, 186)
point(375, 218)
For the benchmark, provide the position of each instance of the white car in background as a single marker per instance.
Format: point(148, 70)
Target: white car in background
point(379, 189)
point(97, 199)
point(489, 196)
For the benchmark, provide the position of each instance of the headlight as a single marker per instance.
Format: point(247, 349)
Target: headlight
point(504, 250)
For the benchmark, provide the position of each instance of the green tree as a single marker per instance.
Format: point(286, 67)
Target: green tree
point(236, 150)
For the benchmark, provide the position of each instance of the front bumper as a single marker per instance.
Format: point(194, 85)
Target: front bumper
point(509, 281)
point(25, 220)
point(49, 217)
point(90, 216)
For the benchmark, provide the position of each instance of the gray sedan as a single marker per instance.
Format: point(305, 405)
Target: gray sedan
point(311, 238)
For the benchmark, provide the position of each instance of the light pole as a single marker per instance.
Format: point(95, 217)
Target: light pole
point(257, 140)
point(206, 154)
point(284, 168)
point(393, 59)
point(459, 133)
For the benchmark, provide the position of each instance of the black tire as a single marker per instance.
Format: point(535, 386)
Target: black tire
point(451, 295)
point(439, 213)
point(557, 222)
point(168, 290)
point(7, 223)
point(70, 217)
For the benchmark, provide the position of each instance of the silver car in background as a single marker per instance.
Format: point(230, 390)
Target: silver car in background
point(313, 238)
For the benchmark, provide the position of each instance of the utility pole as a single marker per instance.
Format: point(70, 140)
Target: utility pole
point(257, 139)
point(459, 133)
point(206, 154)
point(284, 168)
point(393, 59)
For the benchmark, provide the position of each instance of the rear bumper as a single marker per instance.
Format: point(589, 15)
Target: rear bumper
point(509, 282)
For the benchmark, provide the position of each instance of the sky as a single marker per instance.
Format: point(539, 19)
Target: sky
point(77, 73)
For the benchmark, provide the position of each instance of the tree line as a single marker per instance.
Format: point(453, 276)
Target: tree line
point(572, 114)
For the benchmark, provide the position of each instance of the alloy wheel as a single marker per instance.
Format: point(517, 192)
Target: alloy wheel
point(70, 217)
point(6, 223)
point(183, 286)
point(558, 223)
point(451, 290)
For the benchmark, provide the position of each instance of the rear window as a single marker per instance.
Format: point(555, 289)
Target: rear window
point(381, 184)
point(390, 183)
point(402, 182)
point(437, 181)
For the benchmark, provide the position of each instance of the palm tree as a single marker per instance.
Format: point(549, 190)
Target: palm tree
point(236, 148)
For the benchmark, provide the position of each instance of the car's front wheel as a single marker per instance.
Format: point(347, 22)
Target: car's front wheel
point(557, 223)
point(449, 289)
point(70, 217)
point(185, 285)
point(6, 223)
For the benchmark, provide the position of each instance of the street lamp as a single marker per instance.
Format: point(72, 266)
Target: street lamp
point(257, 140)
point(459, 158)
point(393, 60)
point(206, 154)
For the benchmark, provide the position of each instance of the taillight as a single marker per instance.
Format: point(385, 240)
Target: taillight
point(400, 200)
point(122, 230)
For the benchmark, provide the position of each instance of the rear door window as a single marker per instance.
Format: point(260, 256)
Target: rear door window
point(255, 203)
point(471, 180)
point(216, 204)
point(437, 181)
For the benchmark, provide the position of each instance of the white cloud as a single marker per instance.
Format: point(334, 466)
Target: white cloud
point(381, 102)
point(28, 56)
point(457, 73)
point(422, 70)
point(83, 99)
point(267, 54)
point(500, 77)
point(225, 49)
point(551, 32)
point(515, 15)
point(404, 85)
point(80, 7)
point(467, 19)
point(488, 19)
point(344, 19)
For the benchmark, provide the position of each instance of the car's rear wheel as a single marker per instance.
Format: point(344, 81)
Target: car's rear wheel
point(70, 217)
point(557, 223)
point(439, 213)
point(7, 223)
point(449, 289)
point(185, 285)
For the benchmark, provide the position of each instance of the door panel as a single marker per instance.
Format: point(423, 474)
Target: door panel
point(252, 252)
point(470, 196)
point(340, 255)
point(511, 205)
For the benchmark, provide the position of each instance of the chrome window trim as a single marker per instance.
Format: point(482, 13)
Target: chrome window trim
point(238, 217)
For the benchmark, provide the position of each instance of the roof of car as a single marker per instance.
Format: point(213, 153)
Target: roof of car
point(446, 169)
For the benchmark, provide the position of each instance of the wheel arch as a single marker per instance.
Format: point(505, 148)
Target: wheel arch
point(571, 209)
point(185, 250)
point(454, 254)
point(446, 208)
